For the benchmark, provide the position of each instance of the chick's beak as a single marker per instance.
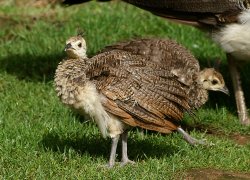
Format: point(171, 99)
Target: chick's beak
point(225, 90)
point(68, 46)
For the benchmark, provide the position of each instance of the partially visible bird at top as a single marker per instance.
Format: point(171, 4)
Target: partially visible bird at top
point(119, 89)
point(227, 20)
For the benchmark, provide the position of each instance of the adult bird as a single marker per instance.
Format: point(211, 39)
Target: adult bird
point(119, 89)
point(229, 22)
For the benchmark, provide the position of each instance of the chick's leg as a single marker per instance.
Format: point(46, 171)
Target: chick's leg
point(112, 157)
point(125, 159)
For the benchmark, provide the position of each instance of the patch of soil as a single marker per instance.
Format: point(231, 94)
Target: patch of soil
point(43, 3)
point(240, 139)
point(214, 174)
point(25, 18)
point(31, 3)
point(25, 21)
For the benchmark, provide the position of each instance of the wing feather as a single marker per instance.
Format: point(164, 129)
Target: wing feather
point(138, 90)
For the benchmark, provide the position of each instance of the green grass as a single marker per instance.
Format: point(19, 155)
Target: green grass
point(42, 139)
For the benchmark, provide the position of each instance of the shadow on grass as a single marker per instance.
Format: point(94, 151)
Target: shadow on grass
point(96, 146)
point(31, 68)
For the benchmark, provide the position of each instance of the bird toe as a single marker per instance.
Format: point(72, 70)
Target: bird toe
point(125, 162)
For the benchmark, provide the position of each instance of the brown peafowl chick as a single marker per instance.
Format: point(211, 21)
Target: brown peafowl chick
point(119, 89)
point(227, 20)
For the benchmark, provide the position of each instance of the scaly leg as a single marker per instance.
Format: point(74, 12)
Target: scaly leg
point(125, 159)
point(112, 157)
point(189, 138)
point(239, 94)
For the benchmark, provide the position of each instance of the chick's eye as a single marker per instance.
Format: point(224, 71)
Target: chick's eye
point(214, 82)
point(80, 45)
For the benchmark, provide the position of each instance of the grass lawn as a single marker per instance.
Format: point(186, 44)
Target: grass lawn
point(42, 139)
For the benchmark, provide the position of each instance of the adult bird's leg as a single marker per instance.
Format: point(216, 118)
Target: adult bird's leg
point(125, 159)
point(112, 157)
point(189, 138)
point(238, 92)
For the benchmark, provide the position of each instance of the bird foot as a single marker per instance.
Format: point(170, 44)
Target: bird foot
point(109, 165)
point(192, 140)
point(245, 121)
point(195, 142)
point(125, 162)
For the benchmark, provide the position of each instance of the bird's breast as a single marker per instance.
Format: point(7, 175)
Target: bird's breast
point(85, 99)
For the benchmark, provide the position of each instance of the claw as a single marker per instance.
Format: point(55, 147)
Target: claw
point(125, 162)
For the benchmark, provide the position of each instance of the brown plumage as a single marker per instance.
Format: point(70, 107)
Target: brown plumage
point(180, 61)
point(229, 22)
point(120, 88)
